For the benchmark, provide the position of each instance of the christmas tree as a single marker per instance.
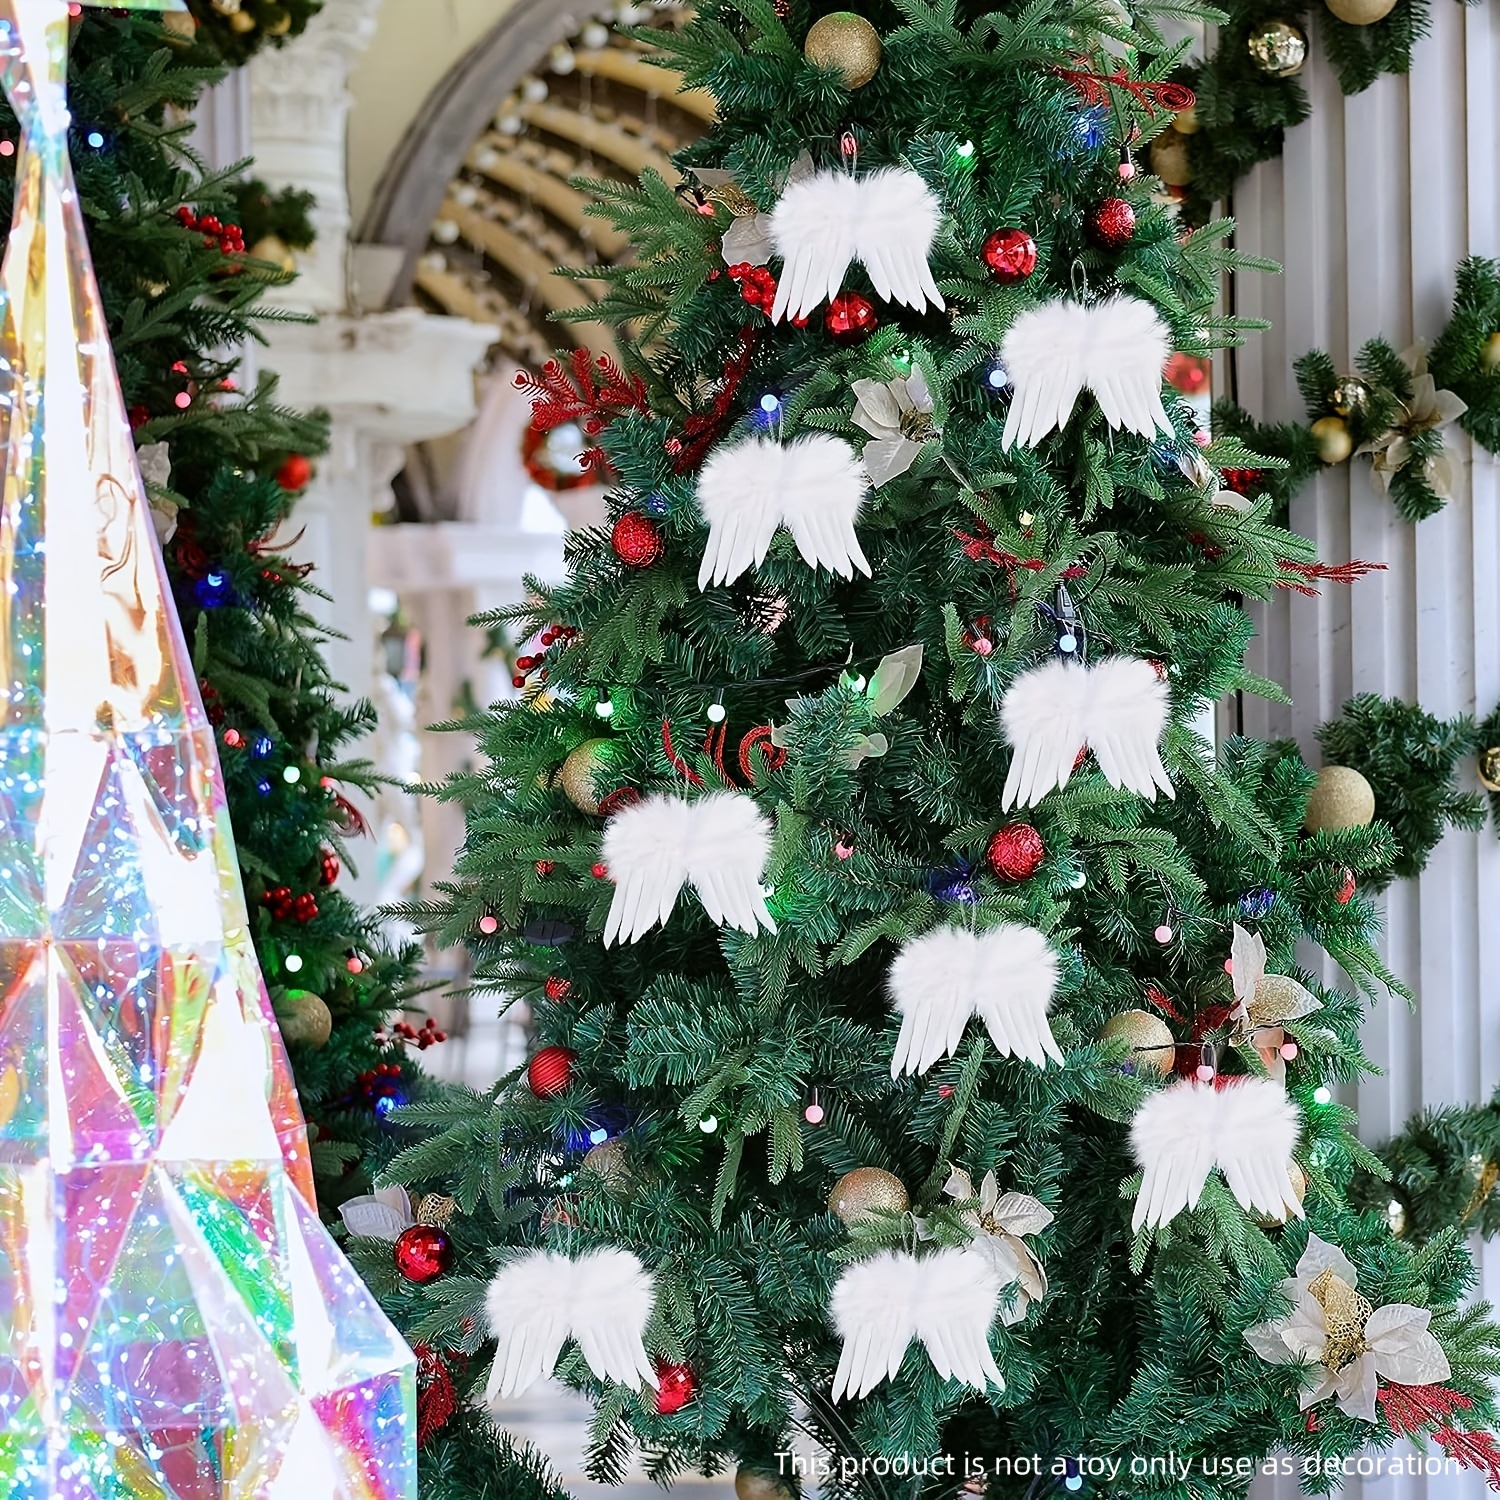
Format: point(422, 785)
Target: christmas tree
point(923, 1059)
point(178, 1319)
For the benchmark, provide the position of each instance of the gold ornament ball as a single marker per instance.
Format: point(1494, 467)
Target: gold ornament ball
point(1169, 158)
point(273, 248)
point(1361, 12)
point(1332, 439)
point(1278, 48)
point(1186, 121)
point(304, 1019)
point(283, 24)
point(847, 44)
point(1489, 356)
point(1349, 395)
point(1489, 768)
point(859, 1193)
point(1341, 799)
point(1299, 1187)
point(756, 1484)
point(179, 23)
point(242, 21)
point(607, 1162)
point(1149, 1037)
point(579, 777)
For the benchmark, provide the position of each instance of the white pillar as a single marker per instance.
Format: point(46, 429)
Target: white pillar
point(1374, 202)
point(386, 379)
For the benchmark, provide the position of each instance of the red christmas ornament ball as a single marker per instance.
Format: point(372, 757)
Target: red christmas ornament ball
point(1016, 852)
point(1111, 223)
point(1010, 255)
point(295, 474)
point(850, 318)
point(328, 867)
point(678, 1386)
point(551, 1071)
point(557, 988)
point(1347, 888)
point(636, 540)
point(423, 1253)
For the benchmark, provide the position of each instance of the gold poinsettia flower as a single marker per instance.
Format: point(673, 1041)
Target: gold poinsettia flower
point(1264, 1003)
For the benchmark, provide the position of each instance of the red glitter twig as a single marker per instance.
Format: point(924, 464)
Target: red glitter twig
point(1094, 88)
point(678, 763)
point(560, 395)
point(1349, 572)
point(703, 429)
point(437, 1397)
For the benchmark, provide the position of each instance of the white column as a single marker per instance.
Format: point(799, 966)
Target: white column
point(386, 379)
point(1375, 201)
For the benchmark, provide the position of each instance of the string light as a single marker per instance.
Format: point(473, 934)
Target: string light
point(1322, 1095)
point(964, 149)
point(292, 775)
point(605, 707)
point(293, 963)
point(708, 1124)
point(1163, 933)
point(717, 713)
point(770, 403)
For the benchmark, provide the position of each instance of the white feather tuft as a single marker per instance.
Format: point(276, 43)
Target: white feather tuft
point(603, 1299)
point(1248, 1129)
point(813, 485)
point(1005, 976)
point(888, 220)
point(948, 1300)
point(1118, 707)
point(721, 843)
point(1115, 348)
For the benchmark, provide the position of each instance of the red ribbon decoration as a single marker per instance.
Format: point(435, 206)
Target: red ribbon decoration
point(713, 746)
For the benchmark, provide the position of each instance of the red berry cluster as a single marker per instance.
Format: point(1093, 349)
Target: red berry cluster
point(211, 705)
point(381, 1082)
point(525, 665)
point(428, 1036)
point(555, 633)
point(1241, 481)
point(757, 285)
point(229, 239)
point(284, 906)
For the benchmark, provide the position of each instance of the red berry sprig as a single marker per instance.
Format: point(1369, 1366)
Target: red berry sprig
point(757, 285)
point(228, 239)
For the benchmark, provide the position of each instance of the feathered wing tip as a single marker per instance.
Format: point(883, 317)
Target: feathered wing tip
point(1044, 353)
point(603, 1299)
point(1128, 346)
point(1126, 714)
point(1114, 348)
point(822, 489)
point(1247, 1129)
point(739, 496)
point(527, 1307)
point(1045, 718)
point(948, 1300)
point(729, 846)
point(645, 848)
point(814, 229)
point(613, 1294)
point(898, 221)
point(1006, 976)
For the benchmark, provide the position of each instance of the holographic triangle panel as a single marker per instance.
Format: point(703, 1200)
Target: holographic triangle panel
point(175, 1322)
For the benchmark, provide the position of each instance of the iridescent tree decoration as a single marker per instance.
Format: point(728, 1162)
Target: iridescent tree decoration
point(175, 1323)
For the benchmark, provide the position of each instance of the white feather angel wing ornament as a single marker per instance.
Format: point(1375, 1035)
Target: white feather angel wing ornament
point(1127, 711)
point(1006, 976)
point(948, 1300)
point(1247, 1129)
point(1045, 718)
point(1117, 707)
point(887, 220)
point(813, 485)
point(720, 842)
point(1115, 348)
point(603, 1299)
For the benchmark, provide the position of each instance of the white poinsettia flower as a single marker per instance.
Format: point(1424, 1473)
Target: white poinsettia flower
point(898, 416)
point(998, 1222)
point(1348, 1343)
point(748, 239)
point(382, 1215)
point(1264, 1003)
point(1429, 409)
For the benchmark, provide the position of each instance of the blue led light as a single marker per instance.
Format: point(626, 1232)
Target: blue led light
point(598, 1136)
point(770, 402)
point(95, 139)
point(260, 746)
point(263, 787)
point(1067, 643)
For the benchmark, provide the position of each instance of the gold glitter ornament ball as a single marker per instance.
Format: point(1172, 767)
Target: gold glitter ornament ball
point(1350, 395)
point(756, 1484)
point(1489, 768)
point(1278, 48)
point(847, 44)
point(1150, 1038)
point(1489, 356)
point(1299, 1187)
point(1341, 799)
point(304, 1019)
point(607, 1162)
point(859, 1193)
point(1361, 12)
point(583, 772)
point(1332, 439)
point(1169, 158)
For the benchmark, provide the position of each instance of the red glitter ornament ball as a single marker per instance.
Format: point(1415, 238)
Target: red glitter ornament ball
point(295, 474)
point(551, 1071)
point(850, 318)
point(328, 867)
point(1016, 852)
point(678, 1386)
point(1347, 889)
point(1010, 255)
point(1111, 223)
point(557, 988)
point(544, 867)
point(423, 1253)
point(636, 540)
